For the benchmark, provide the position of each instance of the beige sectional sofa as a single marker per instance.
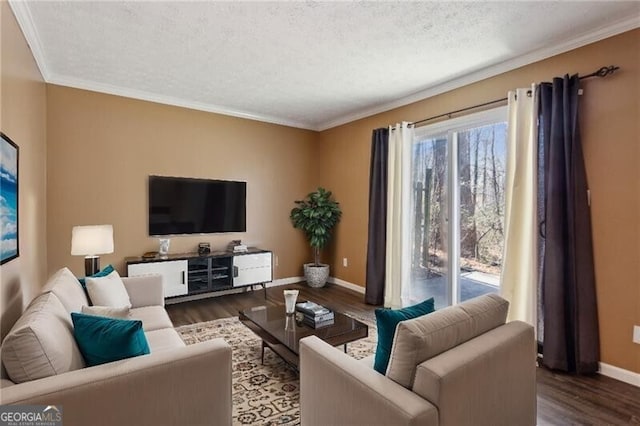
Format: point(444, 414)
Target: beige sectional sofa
point(174, 385)
point(462, 365)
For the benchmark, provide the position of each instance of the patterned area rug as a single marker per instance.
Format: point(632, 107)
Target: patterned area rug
point(262, 394)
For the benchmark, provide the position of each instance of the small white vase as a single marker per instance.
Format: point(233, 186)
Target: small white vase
point(164, 246)
point(290, 297)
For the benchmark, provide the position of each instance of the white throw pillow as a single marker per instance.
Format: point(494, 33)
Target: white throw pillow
point(108, 291)
point(107, 311)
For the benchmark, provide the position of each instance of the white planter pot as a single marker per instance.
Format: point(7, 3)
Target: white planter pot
point(316, 276)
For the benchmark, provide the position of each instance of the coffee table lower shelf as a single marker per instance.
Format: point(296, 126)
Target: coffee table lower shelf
point(268, 341)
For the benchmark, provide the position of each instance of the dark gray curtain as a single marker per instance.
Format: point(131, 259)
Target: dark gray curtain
point(377, 243)
point(571, 341)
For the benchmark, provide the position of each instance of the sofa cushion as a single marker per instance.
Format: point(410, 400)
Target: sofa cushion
point(41, 342)
point(107, 311)
point(5, 383)
point(152, 317)
point(101, 273)
point(387, 321)
point(103, 339)
point(108, 291)
point(368, 361)
point(164, 339)
point(67, 289)
point(420, 339)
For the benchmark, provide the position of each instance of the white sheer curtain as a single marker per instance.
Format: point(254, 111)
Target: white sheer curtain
point(398, 214)
point(519, 271)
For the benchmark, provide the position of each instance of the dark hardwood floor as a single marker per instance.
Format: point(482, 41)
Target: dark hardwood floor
point(562, 399)
point(332, 296)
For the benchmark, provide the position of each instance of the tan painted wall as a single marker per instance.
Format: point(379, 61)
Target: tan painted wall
point(102, 148)
point(23, 119)
point(128, 140)
point(610, 118)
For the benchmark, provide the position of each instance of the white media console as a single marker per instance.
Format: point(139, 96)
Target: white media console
point(190, 274)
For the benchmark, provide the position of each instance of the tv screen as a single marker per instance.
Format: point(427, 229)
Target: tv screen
point(196, 206)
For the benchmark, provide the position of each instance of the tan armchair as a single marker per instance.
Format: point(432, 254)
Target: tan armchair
point(458, 366)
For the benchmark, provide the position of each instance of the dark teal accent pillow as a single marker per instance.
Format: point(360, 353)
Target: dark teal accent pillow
point(103, 339)
point(102, 273)
point(386, 321)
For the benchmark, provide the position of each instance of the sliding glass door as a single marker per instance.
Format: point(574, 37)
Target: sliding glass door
point(457, 208)
point(430, 210)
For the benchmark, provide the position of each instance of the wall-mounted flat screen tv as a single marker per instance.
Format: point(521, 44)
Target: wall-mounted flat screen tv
point(196, 206)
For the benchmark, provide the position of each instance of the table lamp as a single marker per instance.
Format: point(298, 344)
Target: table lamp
point(91, 241)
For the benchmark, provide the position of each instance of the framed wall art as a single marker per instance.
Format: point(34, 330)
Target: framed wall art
point(8, 199)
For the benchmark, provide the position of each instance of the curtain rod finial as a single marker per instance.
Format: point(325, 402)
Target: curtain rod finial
point(605, 71)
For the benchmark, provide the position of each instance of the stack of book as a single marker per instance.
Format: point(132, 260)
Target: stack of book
point(236, 246)
point(315, 315)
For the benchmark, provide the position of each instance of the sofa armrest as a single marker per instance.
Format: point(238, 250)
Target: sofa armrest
point(494, 374)
point(335, 389)
point(189, 385)
point(145, 290)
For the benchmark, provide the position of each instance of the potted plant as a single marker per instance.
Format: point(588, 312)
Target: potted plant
point(316, 216)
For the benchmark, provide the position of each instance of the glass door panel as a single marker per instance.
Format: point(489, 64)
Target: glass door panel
point(457, 211)
point(429, 230)
point(481, 178)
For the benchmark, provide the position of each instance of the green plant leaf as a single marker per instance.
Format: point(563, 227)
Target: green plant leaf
point(316, 216)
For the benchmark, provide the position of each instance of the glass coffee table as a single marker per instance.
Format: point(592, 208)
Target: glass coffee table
point(281, 332)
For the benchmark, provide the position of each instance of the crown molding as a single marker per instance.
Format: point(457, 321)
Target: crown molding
point(170, 100)
point(618, 27)
point(25, 21)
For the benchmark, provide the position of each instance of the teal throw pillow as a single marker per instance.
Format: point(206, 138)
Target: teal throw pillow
point(386, 321)
point(103, 339)
point(102, 273)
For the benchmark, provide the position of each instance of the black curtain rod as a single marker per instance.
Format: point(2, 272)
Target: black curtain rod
point(602, 72)
point(449, 114)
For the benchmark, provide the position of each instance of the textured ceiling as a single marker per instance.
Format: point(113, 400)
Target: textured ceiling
point(305, 64)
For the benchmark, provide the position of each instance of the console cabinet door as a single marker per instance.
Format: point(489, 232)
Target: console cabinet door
point(174, 275)
point(251, 269)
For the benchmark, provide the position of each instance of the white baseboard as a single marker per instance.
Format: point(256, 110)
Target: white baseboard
point(346, 284)
point(620, 374)
point(274, 283)
point(187, 298)
point(285, 281)
point(332, 280)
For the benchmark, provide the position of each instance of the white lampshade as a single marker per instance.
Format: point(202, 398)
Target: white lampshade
point(91, 240)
